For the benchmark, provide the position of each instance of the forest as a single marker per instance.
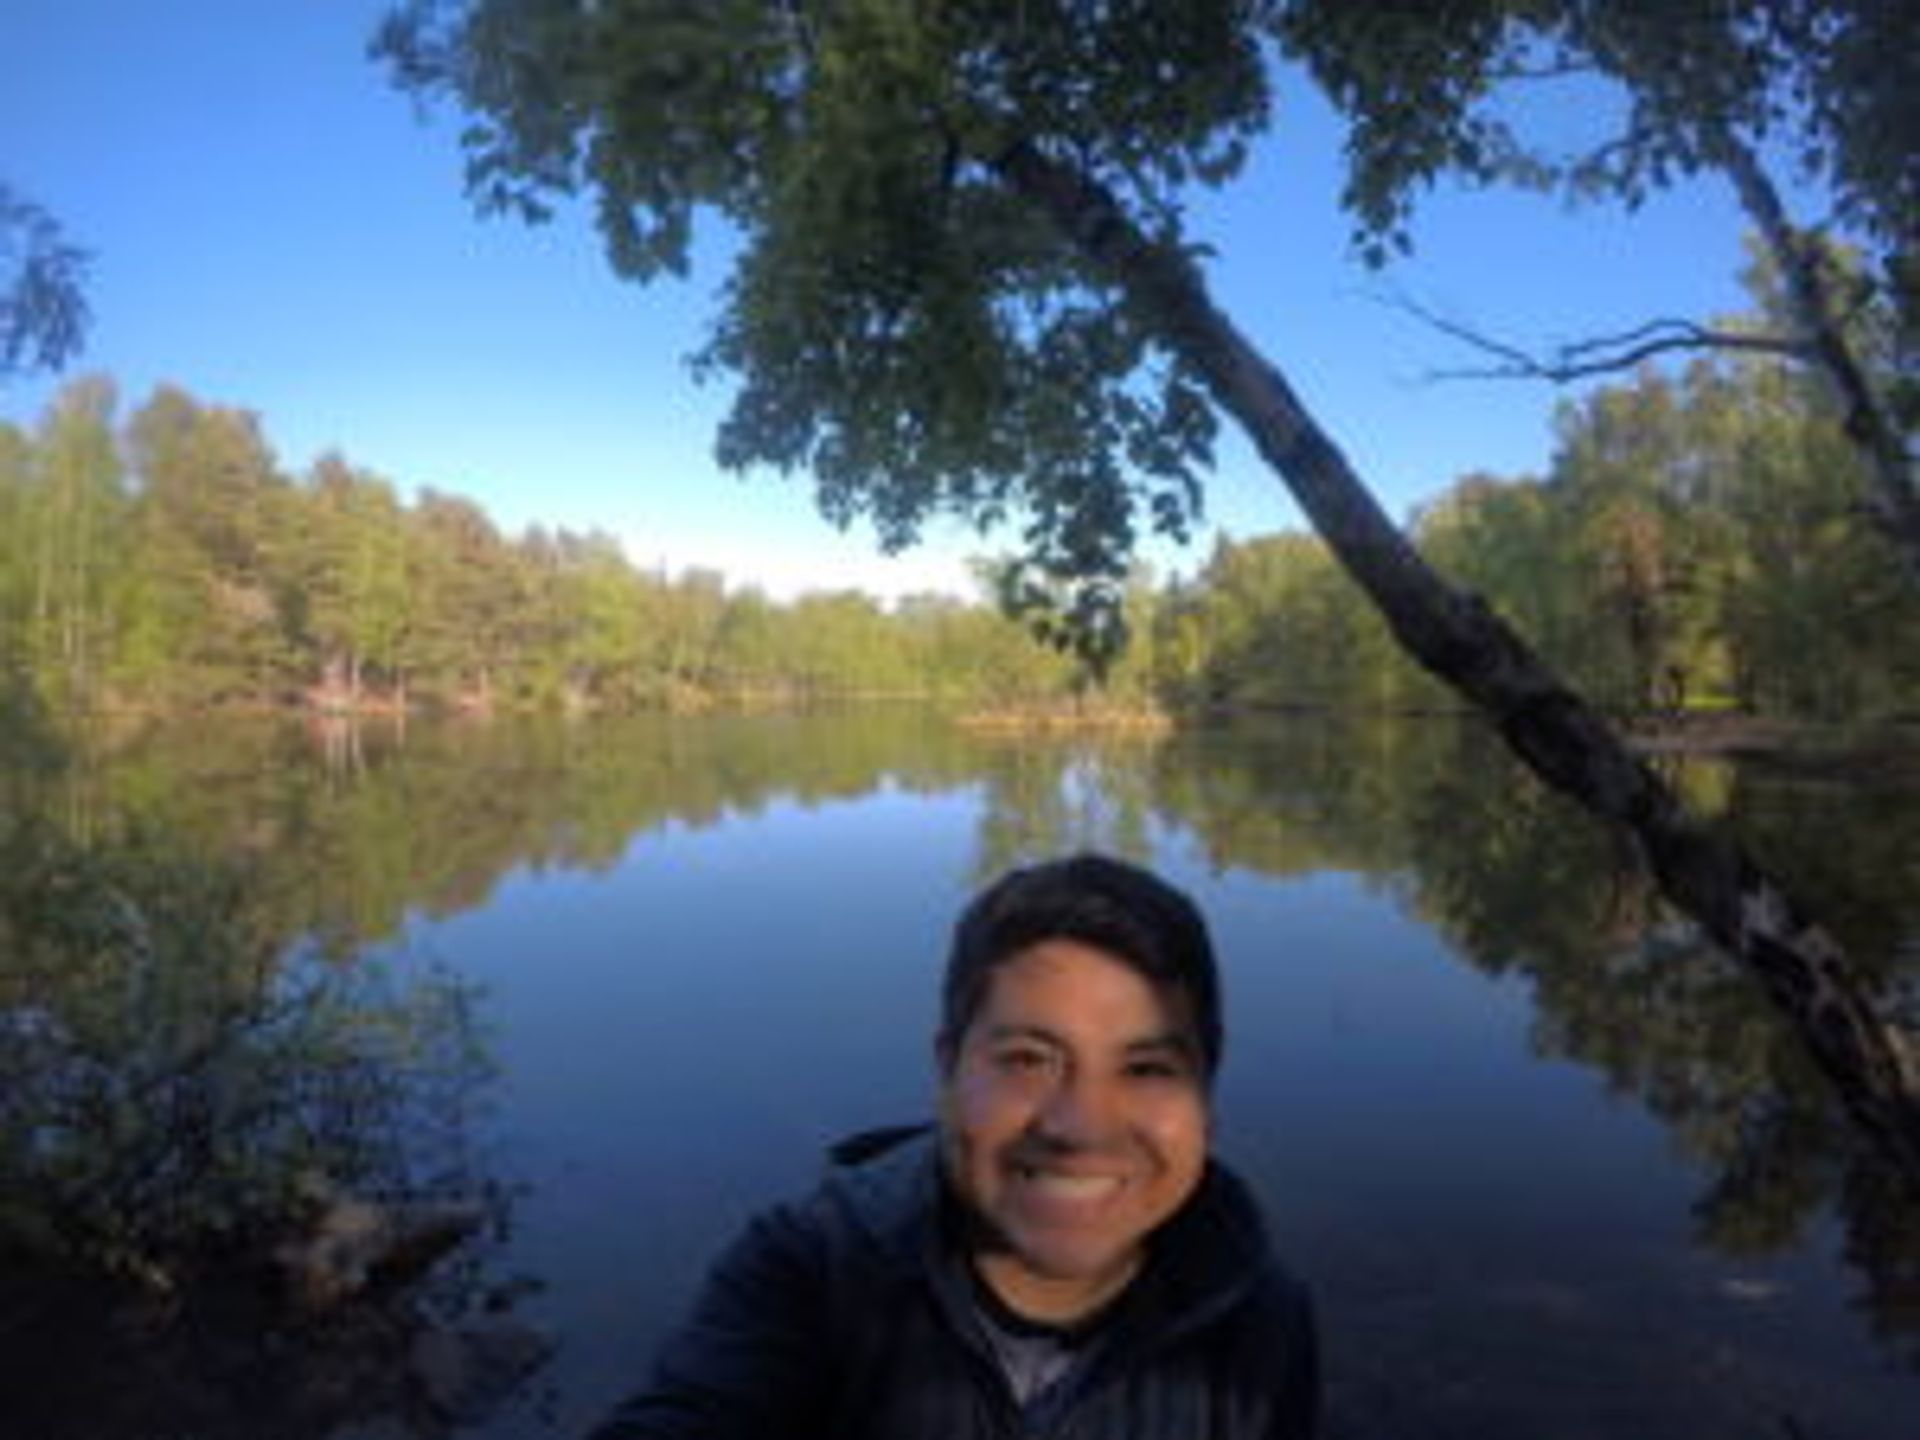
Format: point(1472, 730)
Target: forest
point(168, 562)
point(1695, 546)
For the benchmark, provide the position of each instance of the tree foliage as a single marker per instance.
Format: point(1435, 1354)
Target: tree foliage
point(908, 330)
point(1690, 550)
point(1047, 201)
point(1721, 87)
point(43, 303)
point(904, 329)
point(170, 561)
point(1830, 83)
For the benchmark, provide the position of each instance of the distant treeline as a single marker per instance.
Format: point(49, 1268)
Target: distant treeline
point(1698, 542)
point(170, 561)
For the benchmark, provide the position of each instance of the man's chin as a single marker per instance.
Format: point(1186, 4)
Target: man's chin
point(1048, 1262)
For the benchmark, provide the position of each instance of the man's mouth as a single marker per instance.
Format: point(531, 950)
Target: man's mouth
point(1066, 1186)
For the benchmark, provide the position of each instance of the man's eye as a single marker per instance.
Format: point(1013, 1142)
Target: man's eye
point(1156, 1069)
point(1021, 1062)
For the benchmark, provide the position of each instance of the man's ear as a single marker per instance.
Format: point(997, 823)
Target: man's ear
point(946, 1050)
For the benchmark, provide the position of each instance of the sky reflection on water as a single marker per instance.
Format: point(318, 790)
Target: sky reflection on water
point(1548, 1179)
point(1500, 1246)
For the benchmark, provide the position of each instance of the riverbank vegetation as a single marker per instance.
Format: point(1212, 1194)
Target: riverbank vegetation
point(1694, 548)
point(223, 1151)
point(169, 561)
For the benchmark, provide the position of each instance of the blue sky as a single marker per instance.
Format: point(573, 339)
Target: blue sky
point(275, 228)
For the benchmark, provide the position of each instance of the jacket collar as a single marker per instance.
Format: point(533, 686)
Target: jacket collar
point(889, 1182)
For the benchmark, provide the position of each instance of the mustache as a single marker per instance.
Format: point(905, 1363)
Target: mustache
point(1036, 1146)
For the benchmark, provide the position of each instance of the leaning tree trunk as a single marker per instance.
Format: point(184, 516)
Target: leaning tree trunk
point(1873, 1063)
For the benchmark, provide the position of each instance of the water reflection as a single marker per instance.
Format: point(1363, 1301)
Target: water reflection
point(1048, 795)
point(1522, 884)
point(353, 838)
point(226, 1159)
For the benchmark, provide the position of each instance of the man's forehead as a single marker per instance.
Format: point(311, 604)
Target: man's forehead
point(1076, 987)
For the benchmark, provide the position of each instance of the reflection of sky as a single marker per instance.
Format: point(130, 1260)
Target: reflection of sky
point(682, 1035)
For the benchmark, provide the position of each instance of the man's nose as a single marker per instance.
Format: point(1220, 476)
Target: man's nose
point(1078, 1112)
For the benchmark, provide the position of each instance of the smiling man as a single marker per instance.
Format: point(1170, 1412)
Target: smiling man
point(1058, 1256)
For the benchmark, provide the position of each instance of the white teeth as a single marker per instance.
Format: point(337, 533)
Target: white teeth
point(1073, 1187)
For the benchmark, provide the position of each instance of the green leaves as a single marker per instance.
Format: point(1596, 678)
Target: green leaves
point(43, 303)
point(902, 329)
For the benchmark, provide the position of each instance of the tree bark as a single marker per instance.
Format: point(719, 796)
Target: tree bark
point(1871, 1060)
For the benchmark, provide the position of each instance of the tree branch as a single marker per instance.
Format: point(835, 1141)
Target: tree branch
point(1601, 355)
point(1560, 67)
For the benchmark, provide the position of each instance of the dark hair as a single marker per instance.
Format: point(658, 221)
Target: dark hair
point(1122, 909)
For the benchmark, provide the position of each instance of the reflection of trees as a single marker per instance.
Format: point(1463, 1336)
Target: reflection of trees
point(183, 1089)
point(432, 818)
point(1046, 796)
point(1520, 885)
point(1288, 796)
point(345, 835)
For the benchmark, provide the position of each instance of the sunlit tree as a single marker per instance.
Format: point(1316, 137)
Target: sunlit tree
point(964, 282)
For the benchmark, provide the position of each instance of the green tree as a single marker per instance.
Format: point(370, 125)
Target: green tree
point(749, 650)
point(1274, 623)
point(76, 531)
point(351, 579)
point(212, 520)
point(17, 507)
point(193, 573)
point(971, 654)
point(694, 605)
point(466, 592)
point(1816, 615)
point(1704, 86)
point(1508, 540)
point(1695, 545)
point(604, 653)
point(964, 281)
point(1618, 475)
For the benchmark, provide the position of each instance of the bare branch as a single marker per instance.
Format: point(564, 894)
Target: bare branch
point(1601, 355)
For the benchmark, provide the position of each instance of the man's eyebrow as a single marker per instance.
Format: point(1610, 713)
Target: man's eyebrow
point(1177, 1041)
point(1011, 1031)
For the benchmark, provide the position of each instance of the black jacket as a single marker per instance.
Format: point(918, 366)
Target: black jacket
point(847, 1316)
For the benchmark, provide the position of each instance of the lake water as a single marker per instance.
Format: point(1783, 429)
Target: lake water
point(1549, 1168)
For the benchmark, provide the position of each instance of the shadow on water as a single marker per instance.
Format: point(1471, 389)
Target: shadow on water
point(218, 1079)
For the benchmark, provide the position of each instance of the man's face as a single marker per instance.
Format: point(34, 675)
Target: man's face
point(1074, 1122)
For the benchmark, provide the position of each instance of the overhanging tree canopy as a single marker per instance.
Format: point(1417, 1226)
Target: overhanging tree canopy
point(1829, 88)
point(964, 284)
point(905, 328)
point(43, 305)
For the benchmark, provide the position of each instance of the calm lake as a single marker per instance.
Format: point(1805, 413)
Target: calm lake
point(1550, 1168)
